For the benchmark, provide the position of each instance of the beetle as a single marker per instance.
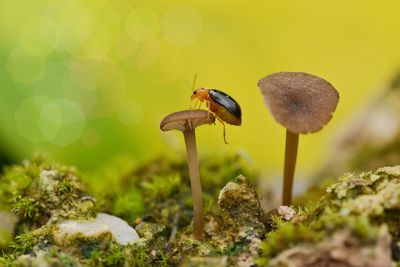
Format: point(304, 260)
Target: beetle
point(225, 108)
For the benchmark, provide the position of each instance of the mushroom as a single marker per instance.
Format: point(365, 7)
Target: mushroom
point(302, 103)
point(186, 121)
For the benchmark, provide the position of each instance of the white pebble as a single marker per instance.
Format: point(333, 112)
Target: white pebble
point(120, 230)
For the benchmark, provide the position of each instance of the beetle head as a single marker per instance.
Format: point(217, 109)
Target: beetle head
point(201, 93)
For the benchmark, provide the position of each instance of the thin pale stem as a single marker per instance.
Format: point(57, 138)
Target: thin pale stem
point(292, 142)
point(197, 197)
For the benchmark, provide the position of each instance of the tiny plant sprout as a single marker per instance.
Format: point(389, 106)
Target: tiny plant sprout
point(186, 121)
point(302, 103)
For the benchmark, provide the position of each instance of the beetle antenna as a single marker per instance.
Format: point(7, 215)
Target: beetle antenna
point(194, 81)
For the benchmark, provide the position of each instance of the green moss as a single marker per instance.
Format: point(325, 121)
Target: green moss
point(64, 259)
point(41, 195)
point(65, 187)
point(160, 187)
point(235, 248)
point(217, 170)
point(92, 251)
point(23, 243)
point(240, 202)
point(138, 256)
point(7, 260)
point(360, 204)
point(88, 247)
point(17, 180)
point(285, 236)
point(133, 255)
point(129, 205)
point(37, 191)
point(25, 207)
point(362, 227)
point(233, 226)
point(115, 257)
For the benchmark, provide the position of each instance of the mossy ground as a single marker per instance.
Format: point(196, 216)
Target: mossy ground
point(155, 198)
point(361, 204)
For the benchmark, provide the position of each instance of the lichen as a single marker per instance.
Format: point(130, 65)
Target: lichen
point(342, 249)
point(43, 195)
point(358, 210)
point(239, 200)
point(37, 192)
point(40, 195)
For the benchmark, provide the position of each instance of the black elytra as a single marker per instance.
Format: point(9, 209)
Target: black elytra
point(226, 101)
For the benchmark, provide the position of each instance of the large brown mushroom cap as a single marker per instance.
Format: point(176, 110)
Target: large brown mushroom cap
point(301, 102)
point(186, 120)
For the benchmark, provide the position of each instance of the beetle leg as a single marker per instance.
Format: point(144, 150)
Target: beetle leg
point(208, 106)
point(195, 104)
point(223, 125)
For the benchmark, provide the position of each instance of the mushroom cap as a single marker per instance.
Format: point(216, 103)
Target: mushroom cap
point(186, 120)
point(301, 102)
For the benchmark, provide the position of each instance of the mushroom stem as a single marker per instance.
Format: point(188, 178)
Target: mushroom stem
point(191, 150)
point(292, 141)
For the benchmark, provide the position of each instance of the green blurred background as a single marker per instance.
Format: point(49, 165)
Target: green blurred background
point(87, 81)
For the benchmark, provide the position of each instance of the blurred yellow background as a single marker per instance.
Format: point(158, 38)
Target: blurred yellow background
point(85, 81)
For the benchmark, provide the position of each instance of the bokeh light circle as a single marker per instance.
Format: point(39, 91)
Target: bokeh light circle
point(27, 117)
point(74, 30)
point(167, 67)
point(50, 83)
point(181, 25)
point(147, 54)
point(39, 33)
point(61, 122)
point(25, 65)
point(50, 121)
point(126, 48)
point(143, 24)
point(98, 44)
point(79, 85)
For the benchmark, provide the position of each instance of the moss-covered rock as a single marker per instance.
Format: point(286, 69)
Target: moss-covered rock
point(40, 193)
point(342, 249)
point(240, 202)
point(355, 224)
point(46, 196)
point(47, 200)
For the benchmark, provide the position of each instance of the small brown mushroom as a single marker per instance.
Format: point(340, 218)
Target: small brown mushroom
point(302, 103)
point(186, 121)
